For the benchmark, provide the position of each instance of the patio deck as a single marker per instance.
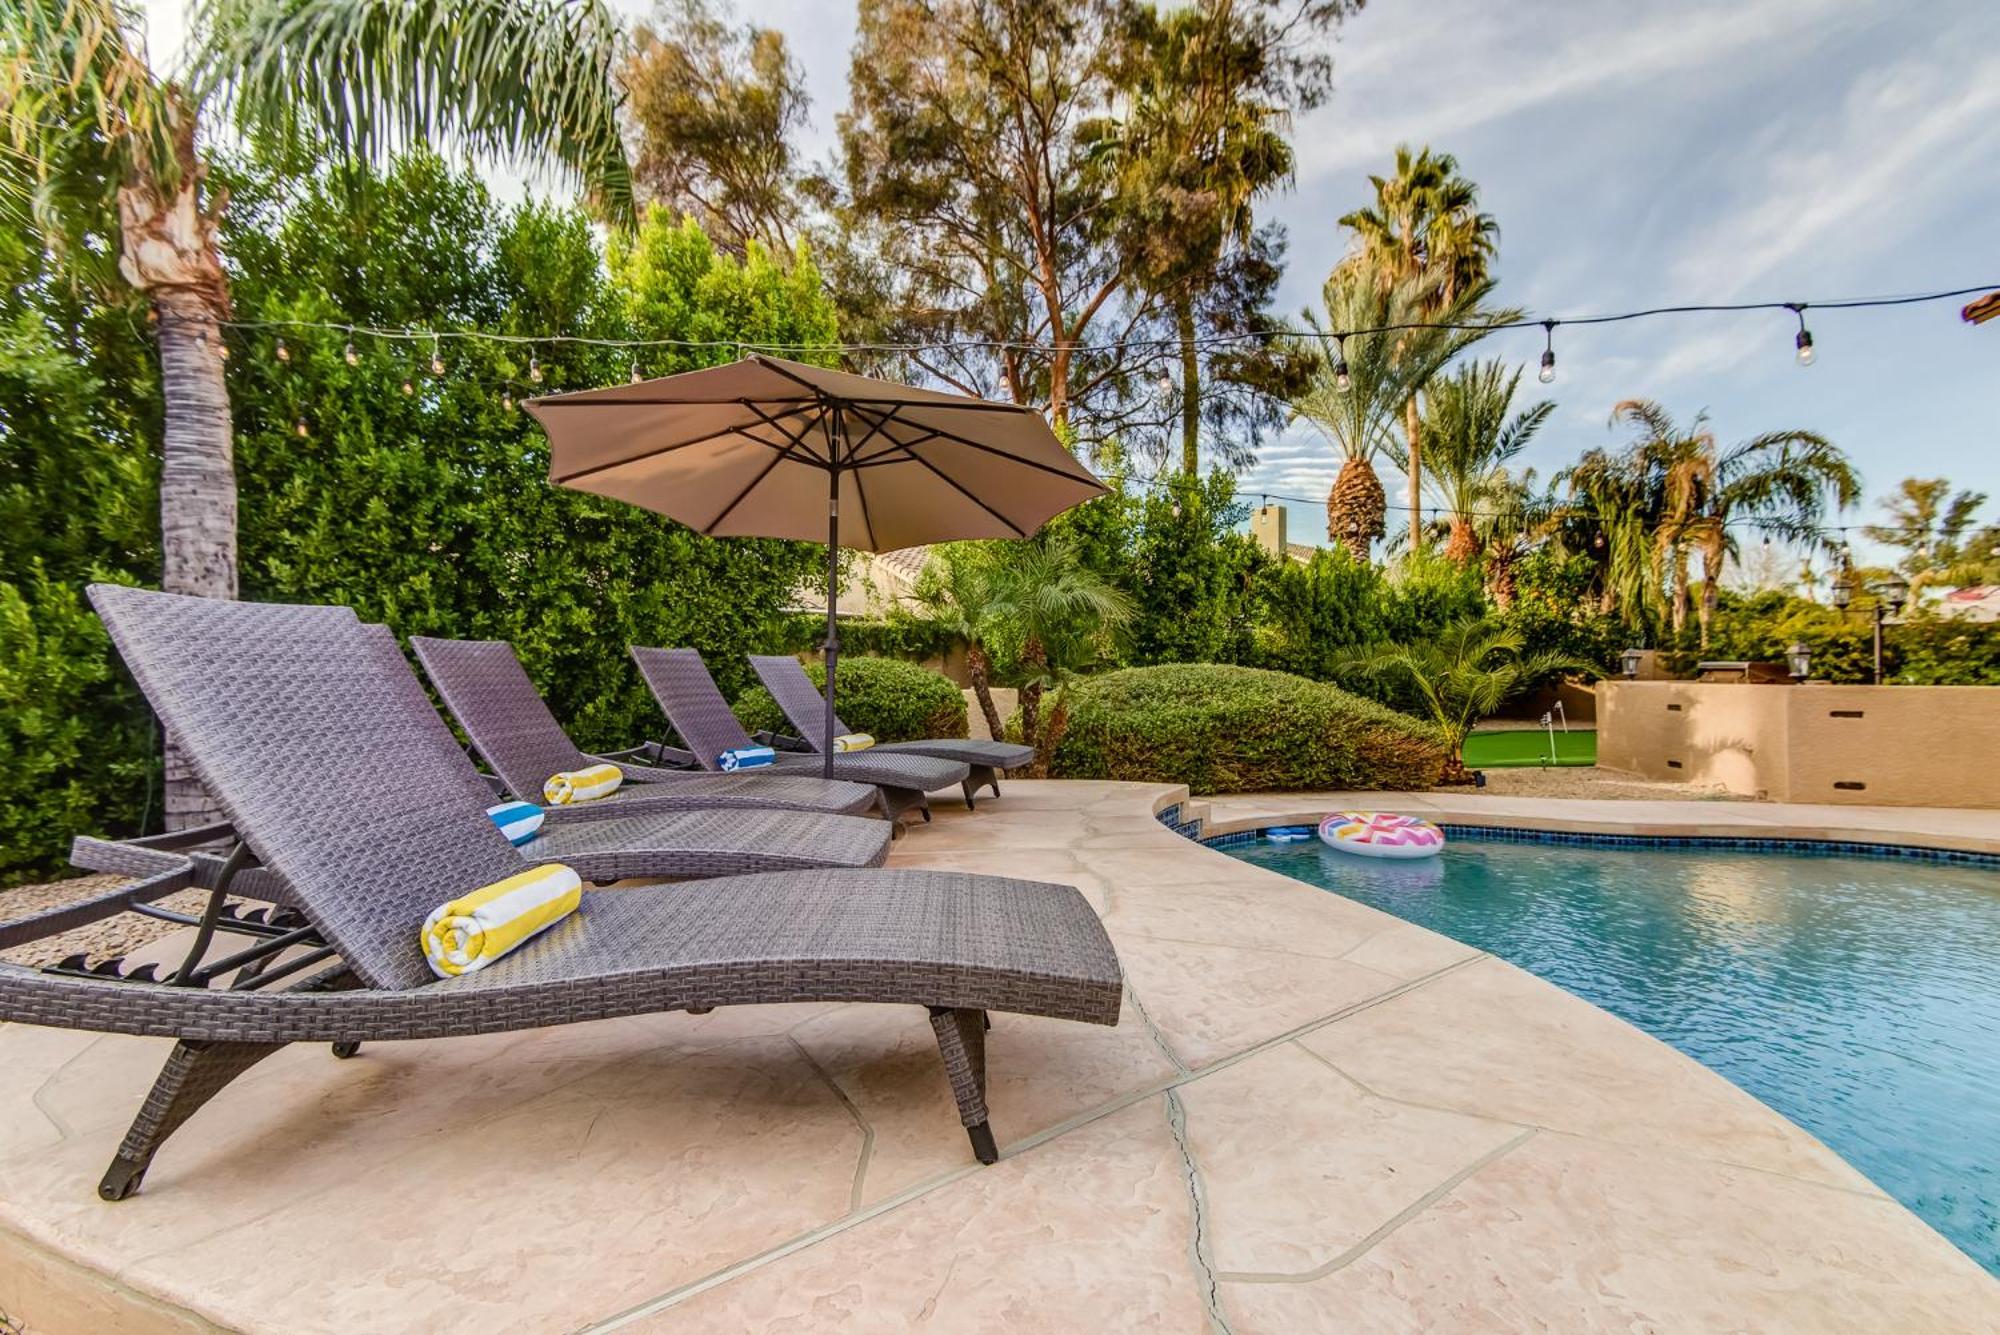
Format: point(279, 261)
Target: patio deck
point(1313, 1117)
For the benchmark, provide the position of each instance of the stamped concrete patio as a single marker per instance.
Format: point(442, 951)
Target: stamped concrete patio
point(1312, 1117)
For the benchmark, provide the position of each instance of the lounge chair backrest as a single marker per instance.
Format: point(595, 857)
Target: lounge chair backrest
point(487, 690)
point(801, 701)
point(316, 739)
point(680, 682)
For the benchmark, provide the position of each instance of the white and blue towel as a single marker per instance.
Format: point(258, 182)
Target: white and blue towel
point(747, 757)
point(519, 821)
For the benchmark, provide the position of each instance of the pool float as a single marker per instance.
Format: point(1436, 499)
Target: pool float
point(1381, 834)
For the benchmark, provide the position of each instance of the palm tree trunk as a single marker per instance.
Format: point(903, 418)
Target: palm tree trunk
point(1411, 432)
point(197, 494)
point(1051, 736)
point(980, 669)
point(1033, 658)
point(1190, 388)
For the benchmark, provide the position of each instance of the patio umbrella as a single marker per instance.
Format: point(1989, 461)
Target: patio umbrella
point(769, 448)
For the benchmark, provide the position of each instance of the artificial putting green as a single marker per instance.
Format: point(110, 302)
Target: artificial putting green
point(1499, 750)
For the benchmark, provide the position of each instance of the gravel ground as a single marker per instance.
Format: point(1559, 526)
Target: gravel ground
point(117, 935)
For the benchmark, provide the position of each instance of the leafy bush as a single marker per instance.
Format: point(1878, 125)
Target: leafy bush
point(1224, 729)
point(77, 756)
point(1922, 649)
point(889, 699)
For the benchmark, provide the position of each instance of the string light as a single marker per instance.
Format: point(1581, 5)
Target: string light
point(636, 377)
point(284, 353)
point(437, 357)
point(1547, 374)
point(534, 368)
point(300, 428)
point(353, 357)
point(1342, 381)
point(507, 399)
point(1803, 342)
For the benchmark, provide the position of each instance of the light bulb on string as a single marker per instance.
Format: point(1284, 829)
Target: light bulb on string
point(437, 358)
point(534, 368)
point(1803, 340)
point(636, 377)
point(1547, 374)
point(353, 357)
point(300, 428)
point(284, 353)
point(507, 399)
point(1165, 387)
point(1342, 381)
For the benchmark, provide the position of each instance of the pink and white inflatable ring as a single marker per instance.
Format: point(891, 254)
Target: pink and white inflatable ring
point(1381, 834)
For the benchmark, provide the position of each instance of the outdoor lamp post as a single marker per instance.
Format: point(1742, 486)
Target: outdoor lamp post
point(1629, 660)
point(1800, 656)
point(1892, 593)
point(1843, 590)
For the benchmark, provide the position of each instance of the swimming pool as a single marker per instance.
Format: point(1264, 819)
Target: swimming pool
point(1860, 997)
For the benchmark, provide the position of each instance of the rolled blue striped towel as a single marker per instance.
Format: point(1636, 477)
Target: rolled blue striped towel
point(519, 821)
point(747, 757)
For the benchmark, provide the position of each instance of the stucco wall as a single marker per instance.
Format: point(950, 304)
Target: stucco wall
point(1872, 745)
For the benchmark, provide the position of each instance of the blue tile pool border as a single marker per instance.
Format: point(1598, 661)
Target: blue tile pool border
point(1170, 817)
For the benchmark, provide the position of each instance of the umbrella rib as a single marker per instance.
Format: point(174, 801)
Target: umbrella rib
point(798, 441)
point(755, 482)
point(938, 433)
point(669, 449)
point(953, 483)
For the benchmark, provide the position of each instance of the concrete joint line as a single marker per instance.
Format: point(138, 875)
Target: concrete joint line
point(1400, 1218)
point(867, 1131)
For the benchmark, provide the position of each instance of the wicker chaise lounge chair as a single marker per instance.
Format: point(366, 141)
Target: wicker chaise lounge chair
point(367, 857)
point(651, 841)
point(487, 690)
point(805, 708)
point(694, 705)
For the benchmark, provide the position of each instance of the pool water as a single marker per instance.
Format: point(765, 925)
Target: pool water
point(1860, 997)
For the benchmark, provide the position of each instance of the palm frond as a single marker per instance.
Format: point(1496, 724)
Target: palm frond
point(516, 78)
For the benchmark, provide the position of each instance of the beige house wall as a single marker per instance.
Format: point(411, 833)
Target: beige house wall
point(1869, 745)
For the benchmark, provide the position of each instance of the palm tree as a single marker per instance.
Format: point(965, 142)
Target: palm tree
point(1513, 516)
point(1468, 671)
point(1928, 523)
point(1066, 616)
point(1194, 150)
point(1613, 500)
point(1469, 440)
point(958, 593)
point(1357, 385)
point(109, 154)
point(1779, 484)
point(1426, 224)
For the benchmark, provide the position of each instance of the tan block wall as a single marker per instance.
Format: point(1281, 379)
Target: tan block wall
point(1868, 745)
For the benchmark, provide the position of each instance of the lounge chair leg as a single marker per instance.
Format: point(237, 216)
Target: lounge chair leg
point(961, 1036)
point(345, 1050)
point(194, 1074)
point(969, 787)
point(982, 776)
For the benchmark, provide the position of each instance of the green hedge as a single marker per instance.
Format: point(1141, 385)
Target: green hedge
point(1223, 729)
point(889, 699)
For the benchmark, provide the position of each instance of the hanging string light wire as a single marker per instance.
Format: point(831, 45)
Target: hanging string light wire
point(1797, 308)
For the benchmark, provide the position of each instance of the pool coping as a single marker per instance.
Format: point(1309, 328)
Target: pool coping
point(1886, 832)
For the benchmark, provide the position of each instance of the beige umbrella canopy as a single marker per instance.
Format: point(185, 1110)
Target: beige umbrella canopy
point(770, 448)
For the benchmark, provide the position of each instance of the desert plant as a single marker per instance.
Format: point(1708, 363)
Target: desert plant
point(1224, 729)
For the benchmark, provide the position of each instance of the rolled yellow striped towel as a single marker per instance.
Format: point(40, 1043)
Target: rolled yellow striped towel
point(853, 741)
point(473, 930)
point(582, 785)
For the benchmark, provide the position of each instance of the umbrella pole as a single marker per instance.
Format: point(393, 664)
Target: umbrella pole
point(832, 645)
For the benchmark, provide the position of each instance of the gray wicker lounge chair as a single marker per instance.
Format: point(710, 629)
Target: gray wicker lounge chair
point(694, 705)
point(351, 829)
point(487, 690)
point(804, 707)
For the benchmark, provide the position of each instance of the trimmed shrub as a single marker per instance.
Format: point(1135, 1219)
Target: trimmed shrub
point(1223, 729)
point(889, 699)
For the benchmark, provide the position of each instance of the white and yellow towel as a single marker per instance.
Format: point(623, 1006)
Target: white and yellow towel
point(853, 741)
point(582, 785)
point(473, 930)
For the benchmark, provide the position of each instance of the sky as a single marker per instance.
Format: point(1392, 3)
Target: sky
point(1647, 155)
